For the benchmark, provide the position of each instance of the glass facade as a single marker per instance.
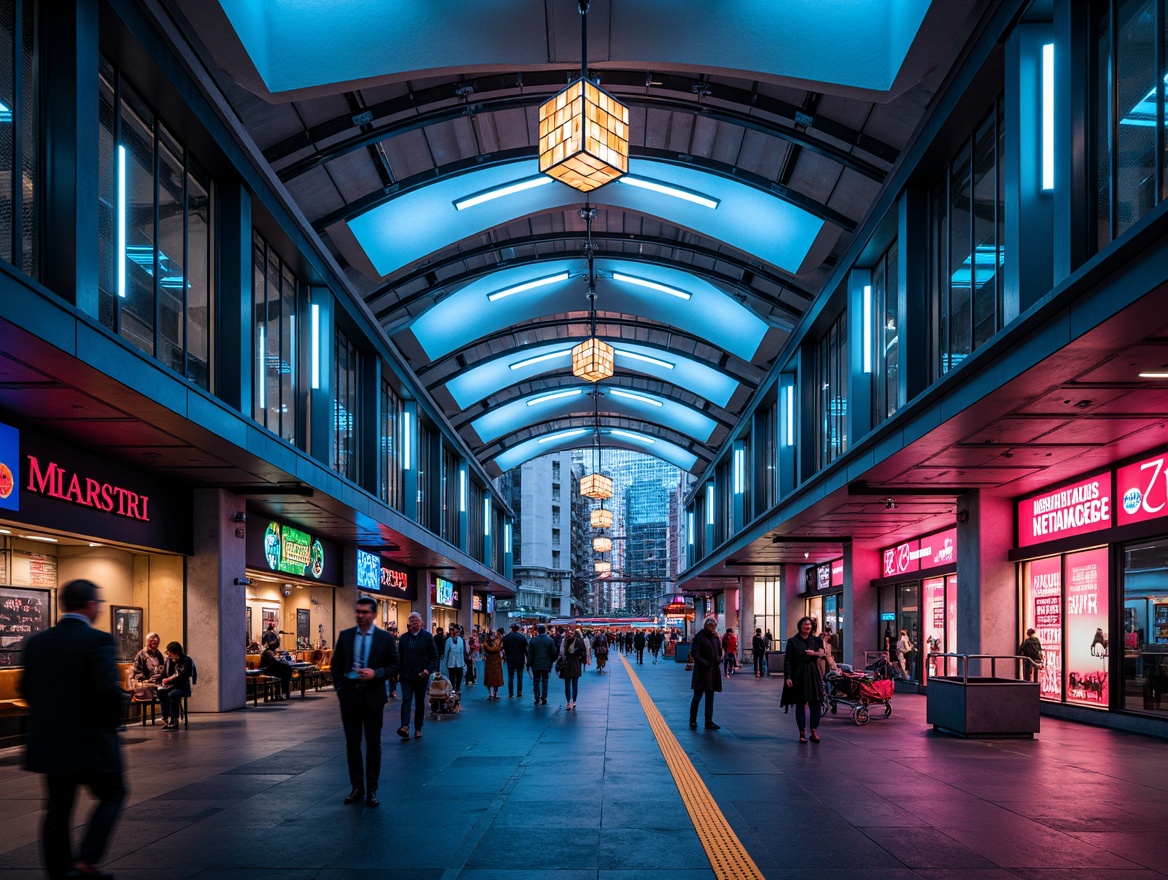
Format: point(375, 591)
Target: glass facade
point(343, 457)
point(968, 249)
point(1145, 627)
point(886, 395)
point(18, 136)
point(156, 259)
point(274, 299)
point(389, 447)
point(1129, 70)
point(831, 381)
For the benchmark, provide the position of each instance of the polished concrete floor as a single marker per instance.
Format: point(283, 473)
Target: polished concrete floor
point(509, 789)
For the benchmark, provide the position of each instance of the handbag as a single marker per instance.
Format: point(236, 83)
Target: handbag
point(560, 667)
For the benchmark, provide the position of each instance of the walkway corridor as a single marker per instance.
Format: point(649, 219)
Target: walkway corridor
point(511, 790)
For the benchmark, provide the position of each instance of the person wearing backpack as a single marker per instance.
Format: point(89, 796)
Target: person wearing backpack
point(176, 684)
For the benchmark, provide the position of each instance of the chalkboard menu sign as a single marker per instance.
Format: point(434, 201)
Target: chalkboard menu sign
point(23, 614)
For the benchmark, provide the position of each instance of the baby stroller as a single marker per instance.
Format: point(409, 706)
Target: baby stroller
point(857, 692)
point(444, 699)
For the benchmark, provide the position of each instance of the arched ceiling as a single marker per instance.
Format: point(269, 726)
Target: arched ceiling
point(773, 126)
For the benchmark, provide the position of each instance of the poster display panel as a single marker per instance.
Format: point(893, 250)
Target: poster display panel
point(933, 618)
point(1077, 509)
point(1045, 583)
point(1086, 613)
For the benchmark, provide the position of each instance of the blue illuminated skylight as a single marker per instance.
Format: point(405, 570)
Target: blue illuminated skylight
point(514, 455)
point(644, 358)
point(499, 192)
point(562, 435)
point(631, 435)
point(619, 392)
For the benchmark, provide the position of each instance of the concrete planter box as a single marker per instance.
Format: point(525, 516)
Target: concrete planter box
point(682, 654)
point(983, 706)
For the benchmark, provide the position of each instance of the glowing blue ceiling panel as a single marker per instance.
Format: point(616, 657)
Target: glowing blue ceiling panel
point(298, 44)
point(561, 403)
point(709, 314)
point(419, 222)
point(480, 382)
point(516, 455)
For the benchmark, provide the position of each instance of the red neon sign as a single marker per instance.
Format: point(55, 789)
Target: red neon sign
point(1142, 490)
point(1077, 509)
point(54, 481)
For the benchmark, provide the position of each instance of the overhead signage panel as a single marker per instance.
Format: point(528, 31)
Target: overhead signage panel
point(1075, 509)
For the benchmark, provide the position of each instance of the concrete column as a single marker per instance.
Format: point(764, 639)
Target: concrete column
point(746, 617)
point(861, 567)
point(215, 603)
point(986, 591)
point(791, 608)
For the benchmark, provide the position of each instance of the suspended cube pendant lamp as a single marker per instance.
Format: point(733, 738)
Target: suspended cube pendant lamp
point(593, 360)
point(601, 518)
point(596, 486)
point(602, 545)
point(602, 567)
point(584, 131)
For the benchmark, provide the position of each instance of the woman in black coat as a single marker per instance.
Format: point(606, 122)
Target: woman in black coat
point(574, 653)
point(706, 653)
point(804, 683)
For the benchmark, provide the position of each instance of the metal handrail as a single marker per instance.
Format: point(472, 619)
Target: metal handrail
point(963, 663)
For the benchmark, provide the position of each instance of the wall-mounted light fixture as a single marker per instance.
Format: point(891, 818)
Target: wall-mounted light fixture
point(1048, 117)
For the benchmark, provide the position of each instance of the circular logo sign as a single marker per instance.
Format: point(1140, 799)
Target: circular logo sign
point(7, 484)
point(1132, 499)
point(317, 559)
point(272, 546)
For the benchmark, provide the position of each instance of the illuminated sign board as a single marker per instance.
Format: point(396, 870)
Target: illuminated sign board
point(490, 603)
point(443, 592)
point(1142, 490)
point(476, 602)
point(1075, 509)
point(9, 468)
point(276, 546)
point(368, 571)
point(920, 554)
point(837, 572)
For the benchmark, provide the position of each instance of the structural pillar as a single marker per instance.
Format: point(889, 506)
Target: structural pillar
point(861, 567)
point(986, 594)
point(216, 601)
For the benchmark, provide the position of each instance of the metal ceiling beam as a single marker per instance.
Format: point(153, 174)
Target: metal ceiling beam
point(734, 106)
point(712, 166)
point(456, 281)
point(743, 264)
point(725, 358)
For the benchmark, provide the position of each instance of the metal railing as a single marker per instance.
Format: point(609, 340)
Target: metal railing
point(963, 661)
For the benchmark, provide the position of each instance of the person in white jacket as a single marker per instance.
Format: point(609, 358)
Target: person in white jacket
point(454, 657)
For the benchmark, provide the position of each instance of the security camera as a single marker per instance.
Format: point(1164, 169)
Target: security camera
point(287, 591)
point(240, 517)
point(243, 582)
point(889, 504)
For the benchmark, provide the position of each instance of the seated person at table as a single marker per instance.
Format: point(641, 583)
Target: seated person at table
point(149, 665)
point(178, 676)
point(272, 665)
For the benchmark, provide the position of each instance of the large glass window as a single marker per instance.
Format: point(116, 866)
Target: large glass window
point(155, 255)
point(450, 496)
point(1145, 627)
point(968, 231)
point(391, 463)
point(274, 298)
point(886, 334)
point(767, 425)
point(18, 136)
point(831, 377)
point(1128, 110)
point(344, 446)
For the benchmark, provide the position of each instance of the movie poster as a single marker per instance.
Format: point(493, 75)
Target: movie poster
point(1046, 616)
point(1086, 648)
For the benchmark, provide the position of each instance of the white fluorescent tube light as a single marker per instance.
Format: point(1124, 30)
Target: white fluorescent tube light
point(631, 396)
point(121, 230)
point(407, 446)
point(539, 359)
point(690, 528)
point(461, 491)
point(652, 285)
point(486, 517)
point(315, 345)
point(629, 435)
point(555, 395)
point(39, 538)
point(867, 318)
point(644, 357)
point(260, 377)
point(1048, 116)
point(1157, 375)
point(739, 468)
point(709, 504)
point(552, 438)
point(790, 432)
point(528, 285)
point(500, 191)
point(676, 192)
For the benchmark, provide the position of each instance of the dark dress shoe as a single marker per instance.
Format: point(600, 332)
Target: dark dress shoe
point(355, 795)
point(371, 800)
point(710, 725)
point(693, 725)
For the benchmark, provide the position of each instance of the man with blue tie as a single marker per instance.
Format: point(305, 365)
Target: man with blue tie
point(364, 660)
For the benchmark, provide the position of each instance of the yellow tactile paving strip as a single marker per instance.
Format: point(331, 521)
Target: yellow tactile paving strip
point(727, 855)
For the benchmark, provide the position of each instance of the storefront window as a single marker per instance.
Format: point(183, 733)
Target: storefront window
point(1043, 611)
point(18, 135)
point(767, 601)
point(1145, 627)
point(831, 382)
point(909, 617)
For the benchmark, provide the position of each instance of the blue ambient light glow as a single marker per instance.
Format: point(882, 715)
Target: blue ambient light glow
point(617, 392)
point(514, 455)
point(121, 230)
point(867, 319)
point(462, 490)
point(739, 470)
point(539, 359)
point(631, 435)
point(561, 435)
point(644, 358)
point(407, 441)
point(555, 395)
point(315, 345)
point(709, 504)
point(652, 285)
point(672, 191)
point(501, 191)
point(528, 285)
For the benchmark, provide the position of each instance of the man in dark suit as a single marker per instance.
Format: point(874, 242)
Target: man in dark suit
point(419, 658)
point(364, 660)
point(75, 704)
point(515, 653)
